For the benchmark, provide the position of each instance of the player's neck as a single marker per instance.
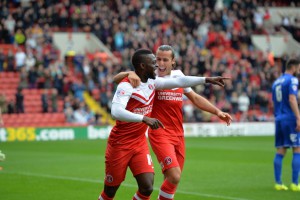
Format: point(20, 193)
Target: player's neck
point(289, 72)
point(143, 77)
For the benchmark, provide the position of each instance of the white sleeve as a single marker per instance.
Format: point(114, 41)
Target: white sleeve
point(123, 93)
point(178, 73)
point(179, 82)
point(119, 103)
point(119, 112)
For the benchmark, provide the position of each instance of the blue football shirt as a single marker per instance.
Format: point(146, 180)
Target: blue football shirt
point(281, 89)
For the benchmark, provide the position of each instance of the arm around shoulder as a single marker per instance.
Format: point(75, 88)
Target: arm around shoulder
point(120, 76)
point(134, 79)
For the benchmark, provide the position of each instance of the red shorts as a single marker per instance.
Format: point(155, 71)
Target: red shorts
point(169, 150)
point(117, 159)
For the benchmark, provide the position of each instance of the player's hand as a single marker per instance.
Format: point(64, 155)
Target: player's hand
point(2, 156)
point(225, 117)
point(218, 80)
point(153, 123)
point(134, 79)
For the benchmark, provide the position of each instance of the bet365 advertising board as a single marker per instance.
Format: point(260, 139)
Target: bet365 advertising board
point(57, 133)
point(102, 132)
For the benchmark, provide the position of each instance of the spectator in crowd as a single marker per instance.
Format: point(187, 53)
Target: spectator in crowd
point(3, 103)
point(243, 105)
point(44, 99)
point(2, 59)
point(19, 101)
point(54, 97)
point(11, 107)
point(81, 116)
point(30, 61)
point(20, 37)
point(10, 61)
point(20, 58)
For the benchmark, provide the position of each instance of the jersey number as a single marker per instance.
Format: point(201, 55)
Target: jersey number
point(278, 93)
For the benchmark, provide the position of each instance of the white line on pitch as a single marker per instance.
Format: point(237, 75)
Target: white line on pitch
point(123, 184)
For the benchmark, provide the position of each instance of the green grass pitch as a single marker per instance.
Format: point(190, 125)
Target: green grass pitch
point(225, 168)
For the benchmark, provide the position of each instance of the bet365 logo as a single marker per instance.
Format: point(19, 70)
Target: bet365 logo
point(17, 134)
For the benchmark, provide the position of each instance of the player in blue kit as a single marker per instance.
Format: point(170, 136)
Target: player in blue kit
point(287, 123)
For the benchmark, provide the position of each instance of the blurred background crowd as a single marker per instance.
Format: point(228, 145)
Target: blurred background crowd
point(210, 37)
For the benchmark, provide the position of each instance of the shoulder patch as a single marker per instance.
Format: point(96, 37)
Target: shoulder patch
point(294, 81)
point(121, 92)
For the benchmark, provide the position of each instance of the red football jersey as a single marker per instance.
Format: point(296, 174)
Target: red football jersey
point(130, 134)
point(167, 107)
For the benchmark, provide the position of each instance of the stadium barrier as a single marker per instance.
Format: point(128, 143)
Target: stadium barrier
point(19, 134)
point(235, 129)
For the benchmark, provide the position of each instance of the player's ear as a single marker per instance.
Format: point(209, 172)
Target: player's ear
point(173, 64)
point(142, 66)
point(173, 61)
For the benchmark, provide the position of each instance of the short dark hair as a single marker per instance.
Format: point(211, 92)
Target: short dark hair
point(292, 62)
point(138, 57)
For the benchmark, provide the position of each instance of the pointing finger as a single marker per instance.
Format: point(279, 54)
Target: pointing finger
point(226, 78)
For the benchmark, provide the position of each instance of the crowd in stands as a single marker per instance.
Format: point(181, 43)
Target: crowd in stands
point(210, 37)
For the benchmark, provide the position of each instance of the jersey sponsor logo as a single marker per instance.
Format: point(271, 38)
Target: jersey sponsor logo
point(169, 96)
point(168, 160)
point(143, 111)
point(109, 178)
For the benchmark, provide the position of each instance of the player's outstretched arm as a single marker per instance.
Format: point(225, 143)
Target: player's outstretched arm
point(187, 81)
point(203, 104)
point(132, 76)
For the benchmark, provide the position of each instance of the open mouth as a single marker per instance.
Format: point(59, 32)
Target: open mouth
point(162, 69)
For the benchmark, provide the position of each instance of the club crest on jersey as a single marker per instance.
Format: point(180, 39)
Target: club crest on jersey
point(295, 87)
point(120, 93)
point(168, 160)
point(151, 87)
point(109, 178)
